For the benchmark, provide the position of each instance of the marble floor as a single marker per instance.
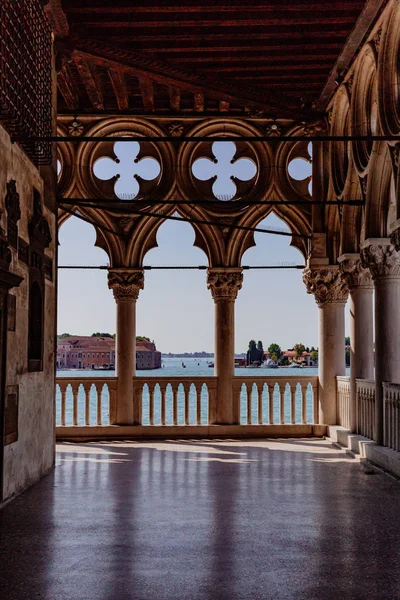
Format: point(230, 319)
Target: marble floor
point(196, 520)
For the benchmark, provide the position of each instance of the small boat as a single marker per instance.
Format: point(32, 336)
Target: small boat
point(183, 365)
point(211, 364)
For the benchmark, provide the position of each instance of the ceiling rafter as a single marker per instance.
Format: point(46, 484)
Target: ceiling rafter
point(118, 81)
point(92, 85)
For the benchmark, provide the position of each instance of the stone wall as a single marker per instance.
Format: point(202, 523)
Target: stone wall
point(32, 454)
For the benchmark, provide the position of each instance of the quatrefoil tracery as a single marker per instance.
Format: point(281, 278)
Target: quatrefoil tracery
point(127, 167)
point(223, 169)
point(301, 169)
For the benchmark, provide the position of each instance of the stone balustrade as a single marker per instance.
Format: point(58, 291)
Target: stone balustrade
point(276, 400)
point(184, 401)
point(176, 400)
point(391, 396)
point(343, 401)
point(365, 390)
point(85, 401)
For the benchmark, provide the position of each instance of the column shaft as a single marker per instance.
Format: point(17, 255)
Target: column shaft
point(126, 284)
point(225, 360)
point(387, 347)
point(331, 358)
point(361, 343)
point(224, 284)
point(126, 362)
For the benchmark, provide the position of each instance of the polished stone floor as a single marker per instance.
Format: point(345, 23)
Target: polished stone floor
point(203, 520)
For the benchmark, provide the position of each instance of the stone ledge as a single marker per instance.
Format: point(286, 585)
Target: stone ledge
point(97, 432)
point(365, 449)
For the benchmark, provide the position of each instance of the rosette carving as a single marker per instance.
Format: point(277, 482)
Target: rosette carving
point(326, 284)
point(354, 274)
point(224, 284)
point(125, 284)
point(383, 260)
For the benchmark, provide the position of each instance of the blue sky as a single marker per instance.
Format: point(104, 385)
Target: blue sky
point(175, 308)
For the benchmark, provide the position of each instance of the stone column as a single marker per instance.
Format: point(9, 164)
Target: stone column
point(330, 293)
point(383, 260)
point(224, 284)
point(361, 289)
point(126, 285)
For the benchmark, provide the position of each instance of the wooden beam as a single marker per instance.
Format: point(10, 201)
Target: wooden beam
point(92, 86)
point(174, 98)
point(117, 78)
point(66, 89)
point(157, 8)
point(147, 93)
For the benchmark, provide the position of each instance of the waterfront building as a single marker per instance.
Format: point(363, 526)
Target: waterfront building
point(279, 82)
point(93, 352)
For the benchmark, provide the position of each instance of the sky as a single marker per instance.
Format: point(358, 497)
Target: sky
point(175, 309)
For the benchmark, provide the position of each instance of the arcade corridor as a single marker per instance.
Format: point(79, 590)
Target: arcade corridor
point(221, 520)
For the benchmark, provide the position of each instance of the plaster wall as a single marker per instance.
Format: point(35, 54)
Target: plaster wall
point(27, 459)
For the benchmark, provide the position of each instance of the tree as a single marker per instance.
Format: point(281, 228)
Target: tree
point(347, 340)
point(98, 334)
point(275, 349)
point(298, 350)
point(284, 360)
point(63, 335)
point(260, 347)
point(347, 358)
point(142, 338)
point(314, 355)
point(273, 356)
point(252, 345)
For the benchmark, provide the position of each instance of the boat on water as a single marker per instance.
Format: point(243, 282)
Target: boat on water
point(211, 364)
point(183, 365)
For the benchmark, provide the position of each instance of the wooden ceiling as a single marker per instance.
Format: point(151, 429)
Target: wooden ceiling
point(202, 56)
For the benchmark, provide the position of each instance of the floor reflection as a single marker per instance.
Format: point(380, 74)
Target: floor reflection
point(202, 519)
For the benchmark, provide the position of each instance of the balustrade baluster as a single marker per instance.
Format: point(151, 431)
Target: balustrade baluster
point(152, 394)
point(397, 424)
point(86, 390)
point(197, 391)
point(63, 390)
point(282, 389)
point(271, 403)
point(315, 404)
point(99, 390)
point(292, 403)
point(175, 404)
point(186, 400)
point(75, 390)
point(259, 389)
point(303, 403)
point(163, 403)
point(249, 390)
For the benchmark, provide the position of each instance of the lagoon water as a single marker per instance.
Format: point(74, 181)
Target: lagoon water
point(172, 367)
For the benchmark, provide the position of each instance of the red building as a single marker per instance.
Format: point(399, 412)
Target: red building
point(90, 352)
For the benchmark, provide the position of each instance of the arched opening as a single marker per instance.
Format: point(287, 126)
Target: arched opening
point(274, 310)
point(175, 309)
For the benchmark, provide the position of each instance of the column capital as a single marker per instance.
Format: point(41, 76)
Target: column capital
point(126, 283)
point(355, 275)
point(224, 283)
point(327, 285)
point(381, 257)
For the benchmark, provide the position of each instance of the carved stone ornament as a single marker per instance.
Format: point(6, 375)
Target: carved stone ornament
point(224, 284)
point(315, 128)
point(383, 260)
point(125, 284)
point(377, 40)
point(175, 129)
point(326, 284)
point(75, 128)
point(273, 130)
point(355, 275)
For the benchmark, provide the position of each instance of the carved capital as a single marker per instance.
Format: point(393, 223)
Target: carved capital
point(126, 284)
point(353, 273)
point(395, 238)
point(326, 284)
point(382, 258)
point(224, 283)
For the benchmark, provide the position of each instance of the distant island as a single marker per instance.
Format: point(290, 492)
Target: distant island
point(201, 354)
